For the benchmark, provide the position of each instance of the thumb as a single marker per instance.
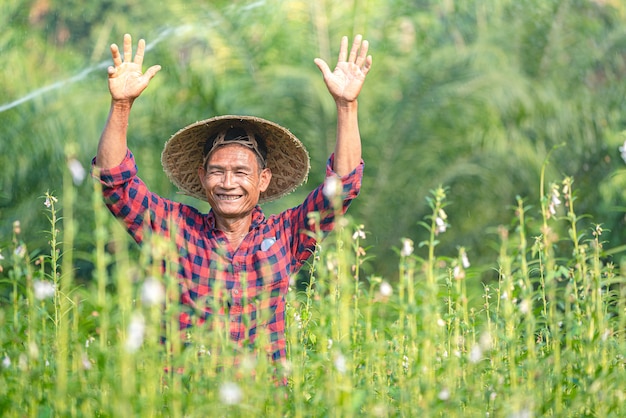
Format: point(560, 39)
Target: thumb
point(151, 72)
point(324, 68)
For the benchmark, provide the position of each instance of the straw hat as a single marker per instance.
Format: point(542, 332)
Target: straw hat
point(286, 155)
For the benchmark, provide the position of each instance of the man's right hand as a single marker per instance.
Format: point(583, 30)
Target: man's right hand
point(126, 80)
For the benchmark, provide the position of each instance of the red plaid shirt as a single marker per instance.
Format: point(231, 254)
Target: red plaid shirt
point(243, 287)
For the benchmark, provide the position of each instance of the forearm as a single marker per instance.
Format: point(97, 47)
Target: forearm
point(112, 146)
point(348, 146)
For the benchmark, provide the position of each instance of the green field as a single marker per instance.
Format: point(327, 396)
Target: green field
point(481, 272)
point(544, 339)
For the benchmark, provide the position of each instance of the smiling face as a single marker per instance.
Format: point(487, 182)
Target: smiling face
point(233, 181)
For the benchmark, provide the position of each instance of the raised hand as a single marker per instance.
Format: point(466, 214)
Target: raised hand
point(346, 81)
point(126, 79)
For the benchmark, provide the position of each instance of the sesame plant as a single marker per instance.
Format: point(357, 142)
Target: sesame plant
point(545, 337)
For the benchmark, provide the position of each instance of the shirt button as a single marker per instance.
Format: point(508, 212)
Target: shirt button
point(236, 292)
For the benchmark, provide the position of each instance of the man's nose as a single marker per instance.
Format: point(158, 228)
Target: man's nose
point(227, 179)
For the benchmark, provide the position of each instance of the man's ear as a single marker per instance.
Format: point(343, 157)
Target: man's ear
point(202, 175)
point(264, 179)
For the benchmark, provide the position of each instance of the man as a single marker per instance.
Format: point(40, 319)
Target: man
point(233, 263)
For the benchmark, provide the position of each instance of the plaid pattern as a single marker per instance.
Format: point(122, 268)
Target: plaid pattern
point(243, 288)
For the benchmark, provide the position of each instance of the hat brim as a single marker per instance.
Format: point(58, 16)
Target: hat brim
point(287, 157)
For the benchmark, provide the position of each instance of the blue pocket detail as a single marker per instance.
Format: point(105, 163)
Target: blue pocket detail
point(267, 243)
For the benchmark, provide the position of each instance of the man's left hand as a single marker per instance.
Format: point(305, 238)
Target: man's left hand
point(346, 81)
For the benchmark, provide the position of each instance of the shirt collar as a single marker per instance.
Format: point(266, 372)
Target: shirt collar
point(257, 218)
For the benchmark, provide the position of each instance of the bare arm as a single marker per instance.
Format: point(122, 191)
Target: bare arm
point(126, 83)
point(344, 84)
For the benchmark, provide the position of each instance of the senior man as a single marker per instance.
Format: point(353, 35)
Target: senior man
point(234, 263)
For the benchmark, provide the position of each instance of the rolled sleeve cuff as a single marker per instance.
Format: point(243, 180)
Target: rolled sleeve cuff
point(115, 176)
point(351, 182)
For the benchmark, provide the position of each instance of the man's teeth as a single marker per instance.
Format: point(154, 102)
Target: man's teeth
point(228, 197)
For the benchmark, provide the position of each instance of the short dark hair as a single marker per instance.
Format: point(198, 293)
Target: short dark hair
point(235, 134)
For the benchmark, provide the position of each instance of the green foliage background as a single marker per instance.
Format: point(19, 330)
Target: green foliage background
point(472, 95)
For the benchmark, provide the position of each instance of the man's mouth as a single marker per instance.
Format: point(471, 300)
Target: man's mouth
point(228, 197)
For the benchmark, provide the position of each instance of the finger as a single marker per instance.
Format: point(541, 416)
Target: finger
point(343, 49)
point(151, 72)
point(367, 66)
point(115, 53)
point(141, 47)
point(324, 68)
point(128, 48)
point(111, 71)
point(360, 59)
point(356, 44)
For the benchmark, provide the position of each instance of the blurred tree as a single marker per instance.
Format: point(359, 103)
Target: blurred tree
point(471, 94)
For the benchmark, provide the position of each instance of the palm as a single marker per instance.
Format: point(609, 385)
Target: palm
point(346, 81)
point(126, 80)
point(128, 83)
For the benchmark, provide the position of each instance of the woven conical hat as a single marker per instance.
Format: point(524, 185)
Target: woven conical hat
point(286, 155)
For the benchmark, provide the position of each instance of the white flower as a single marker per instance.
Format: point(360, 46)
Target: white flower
point(476, 353)
point(385, 289)
point(89, 341)
point(136, 331)
point(33, 350)
point(330, 343)
point(524, 413)
point(340, 363)
point(50, 200)
point(524, 306)
point(43, 289)
point(332, 185)
point(359, 233)
point(554, 200)
point(298, 319)
point(152, 292)
point(231, 393)
point(20, 251)
point(440, 226)
point(622, 151)
point(17, 228)
point(77, 170)
point(444, 394)
point(202, 351)
point(85, 362)
point(6, 362)
point(248, 363)
point(407, 247)
point(458, 273)
point(464, 260)
point(440, 222)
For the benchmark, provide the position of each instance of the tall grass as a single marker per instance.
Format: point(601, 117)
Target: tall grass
point(544, 338)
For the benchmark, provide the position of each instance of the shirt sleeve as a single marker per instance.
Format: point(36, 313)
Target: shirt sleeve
point(129, 199)
point(319, 209)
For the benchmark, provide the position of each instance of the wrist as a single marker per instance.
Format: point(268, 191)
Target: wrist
point(121, 104)
point(347, 106)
